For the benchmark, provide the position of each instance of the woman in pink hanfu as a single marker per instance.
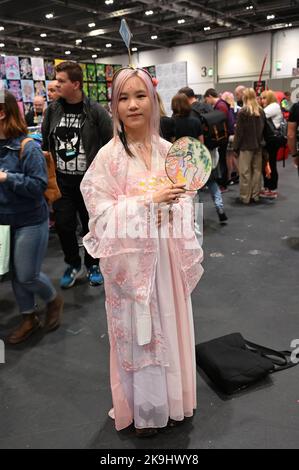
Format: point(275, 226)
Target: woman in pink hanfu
point(148, 276)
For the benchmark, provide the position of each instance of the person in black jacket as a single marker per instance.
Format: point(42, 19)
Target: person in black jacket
point(74, 129)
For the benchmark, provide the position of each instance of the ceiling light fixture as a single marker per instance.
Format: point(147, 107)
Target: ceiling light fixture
point(134, 49)
point(249, 7)
point(43, 35)
point(108, 45)
point(207, 28)
point(94, 56)
point(109, 2)
point(181, 21)
point(2, 44)
point(1, 28)
point(37, 49)
point(67, 52)
point(287, 25)
point(96, 32)
point(270, 17)
point(154, 36)
point(149, 12)
point(91, 25)
point(49, 16)
point(78, 41)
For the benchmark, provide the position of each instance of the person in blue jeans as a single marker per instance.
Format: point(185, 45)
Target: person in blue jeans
point(23, 180)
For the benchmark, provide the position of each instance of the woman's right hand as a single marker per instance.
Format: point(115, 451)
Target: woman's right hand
point(169, 193)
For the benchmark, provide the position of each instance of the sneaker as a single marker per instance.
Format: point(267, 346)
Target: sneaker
point(272, 194)
point(70, 276)
point(222, 215)
point(94, 276)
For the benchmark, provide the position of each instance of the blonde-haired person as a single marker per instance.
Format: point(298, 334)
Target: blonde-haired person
point(231, 161)
point(273, 112)
point(248, 146)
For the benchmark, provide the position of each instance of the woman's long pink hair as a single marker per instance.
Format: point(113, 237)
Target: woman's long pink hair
point(117, 87)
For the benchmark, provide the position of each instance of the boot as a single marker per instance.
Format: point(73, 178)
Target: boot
point(54, 313)
point(30, 323)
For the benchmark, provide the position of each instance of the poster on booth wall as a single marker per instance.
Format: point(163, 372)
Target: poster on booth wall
point(102, 91)
point(116, 67)
point(38, 69)
point(101, 72)
point(2, 68)
point(27, 90)
point(40, 88)
point(25, 68)
point(91, 72)
point(85, 88)
point(14, 87)
point(83, 67)
point(109, 90)
point(12, 67)
point(93, 92)
point(27, 107)
point(49, 69)
point(109, 73)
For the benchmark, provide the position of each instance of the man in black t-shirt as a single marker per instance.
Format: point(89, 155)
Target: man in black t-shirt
point(74, 130)
point(293, 125)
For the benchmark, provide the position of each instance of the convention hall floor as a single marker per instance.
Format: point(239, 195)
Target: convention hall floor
point(55, 389)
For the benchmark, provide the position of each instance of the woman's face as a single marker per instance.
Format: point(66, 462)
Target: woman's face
point(134, 106)
point(263, 101)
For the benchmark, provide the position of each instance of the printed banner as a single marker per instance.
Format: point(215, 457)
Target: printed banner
point(12, 68)
point(38, 69)
point(27, 91)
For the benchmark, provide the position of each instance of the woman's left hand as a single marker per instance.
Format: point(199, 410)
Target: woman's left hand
point(3, 176)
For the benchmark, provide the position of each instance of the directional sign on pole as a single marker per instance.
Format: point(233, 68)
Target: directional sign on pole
point(126, 34)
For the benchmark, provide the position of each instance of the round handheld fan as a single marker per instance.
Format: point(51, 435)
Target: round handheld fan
point(188, 162)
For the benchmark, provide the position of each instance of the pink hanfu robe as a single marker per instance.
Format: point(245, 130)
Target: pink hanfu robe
point(148, 282)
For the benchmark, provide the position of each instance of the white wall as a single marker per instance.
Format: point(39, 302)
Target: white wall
point(196, 55)
point(239, 59)
point(286, 50)
point(242, 57)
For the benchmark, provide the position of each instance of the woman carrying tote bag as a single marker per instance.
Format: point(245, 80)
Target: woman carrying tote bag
point(23, 180)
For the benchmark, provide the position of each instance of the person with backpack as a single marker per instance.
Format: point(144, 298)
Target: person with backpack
point(248, 146)
point(211, 97)
point(23, 180)
point(273, 143)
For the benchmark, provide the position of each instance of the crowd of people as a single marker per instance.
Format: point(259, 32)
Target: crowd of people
point(108, 173)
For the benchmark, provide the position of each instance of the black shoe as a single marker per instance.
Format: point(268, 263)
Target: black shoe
point(222, 216)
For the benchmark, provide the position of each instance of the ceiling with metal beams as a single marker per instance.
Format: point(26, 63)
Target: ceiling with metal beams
point(90, 28)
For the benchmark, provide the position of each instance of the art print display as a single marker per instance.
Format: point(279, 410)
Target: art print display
point(91, 72)
point(109, 90)
point(38, 69)
point(85, 88)
point(101, 72)
point(25, 68)
point(2, 68)
point(102, 92)
point(83, 67)
point(3, 84)
point(28, 107)
point(40, 88)
point(93, 92)
point(12, 67)
point(116, 67)
point(49, 69)
point(109, 73)
point(27, 90)
point(14, 87)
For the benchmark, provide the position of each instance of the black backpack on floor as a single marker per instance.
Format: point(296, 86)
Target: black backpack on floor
point(233, 363)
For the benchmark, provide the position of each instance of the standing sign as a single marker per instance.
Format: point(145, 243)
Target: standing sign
point(259, 87)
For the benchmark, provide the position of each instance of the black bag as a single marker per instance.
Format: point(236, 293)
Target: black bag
point(233, 363)
point(215, 129)
point(273, 135)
